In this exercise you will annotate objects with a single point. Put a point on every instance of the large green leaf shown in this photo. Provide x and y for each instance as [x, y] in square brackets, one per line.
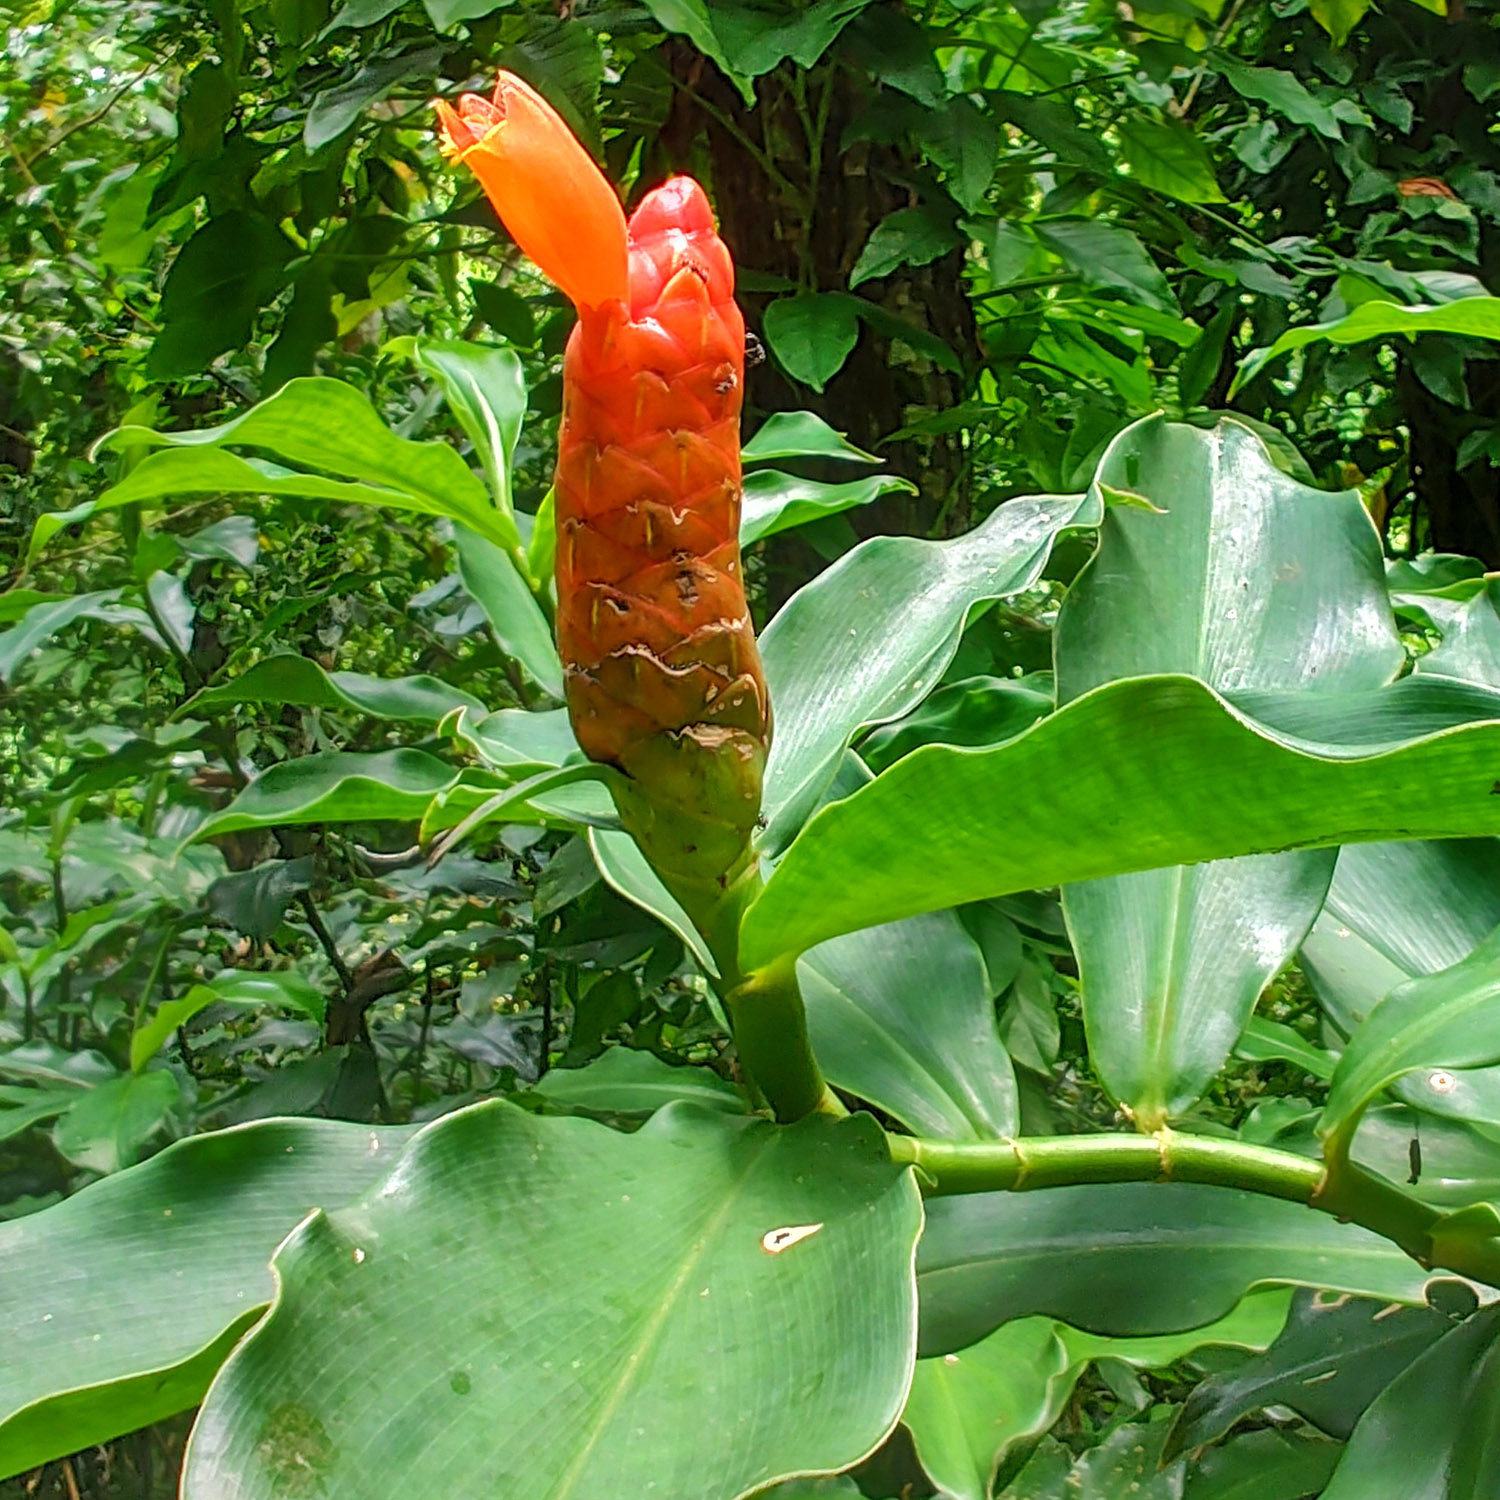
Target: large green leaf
[1135, 775]
[867, 640]
[1431, 1434]
[1238, 575]
[1450, 1019]
[287, 678]
[691, 1311]
[904, 1016]
[117, 1305]
[1134, 1258]
[1475, 317]
[335, 786]
[325, 428]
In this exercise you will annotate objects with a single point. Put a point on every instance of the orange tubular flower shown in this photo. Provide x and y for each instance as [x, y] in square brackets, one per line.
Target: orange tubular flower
[663, 677]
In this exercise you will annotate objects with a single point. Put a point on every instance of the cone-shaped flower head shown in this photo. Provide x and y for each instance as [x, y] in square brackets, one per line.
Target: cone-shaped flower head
[663, 678]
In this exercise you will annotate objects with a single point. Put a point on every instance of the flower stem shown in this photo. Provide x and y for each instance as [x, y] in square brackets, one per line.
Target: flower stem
[1351, 1195]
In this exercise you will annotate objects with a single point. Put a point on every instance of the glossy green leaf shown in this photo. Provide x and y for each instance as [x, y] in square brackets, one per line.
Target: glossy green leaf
[1334, 1357]
[286, 678]
[485, 389]
[335, 786]
[1395, 911]
[972, 711]
[775, 502]
[626, 871]
[1135, 775]
[967, 1410]
[868, 639]
[639, 1285]
[494, 580]
[517, 740]
[801, 434]
[326, 428]
[283, 988]
[1470, 648]
[812, 334]
[904, 1016]
[118, 1304]
[1134, 1259]
[1450, 1019]
[1431, 1434]
[627, 1082]
[1473, 317]
[1274, 586]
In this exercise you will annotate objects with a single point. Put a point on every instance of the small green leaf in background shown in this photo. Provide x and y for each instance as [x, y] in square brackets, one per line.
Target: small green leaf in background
[1474, 317]
[1107, 255]
[812, 334]
[801, 434]
[335, 786]
[283, 988]
[1165, 156]
[1266, 1464]
[646, 1276]
[908, 237]
[494, 581]
[285, 678]
[506, 311]
[1286, 94]
[110, 1126]
[229, 270]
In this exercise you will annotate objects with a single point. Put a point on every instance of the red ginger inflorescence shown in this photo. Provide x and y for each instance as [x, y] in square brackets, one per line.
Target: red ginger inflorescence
[663, 677]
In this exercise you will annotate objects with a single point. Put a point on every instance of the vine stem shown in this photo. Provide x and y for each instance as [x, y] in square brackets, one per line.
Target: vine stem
[1349, 1194]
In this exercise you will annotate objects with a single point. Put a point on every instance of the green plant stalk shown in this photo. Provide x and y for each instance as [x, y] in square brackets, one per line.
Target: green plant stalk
[1351, 1195]
[765, 1009]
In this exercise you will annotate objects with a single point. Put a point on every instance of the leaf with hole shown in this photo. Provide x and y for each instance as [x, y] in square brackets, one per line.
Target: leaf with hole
[699, 1302]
